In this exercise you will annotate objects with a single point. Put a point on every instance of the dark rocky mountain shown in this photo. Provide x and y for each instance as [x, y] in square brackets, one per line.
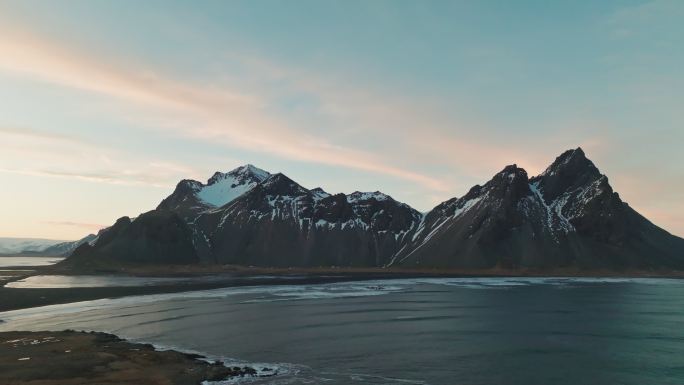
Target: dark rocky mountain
[191, 197]
[568, 216]
[157, 236]
[280, 223]
[248, 216]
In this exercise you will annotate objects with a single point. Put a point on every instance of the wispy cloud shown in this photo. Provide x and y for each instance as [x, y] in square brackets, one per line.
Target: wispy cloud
[407, 123]
[82, 225]
[217, 114]
[111, 178]
[33, 133]
[353, 126]
[26, 151]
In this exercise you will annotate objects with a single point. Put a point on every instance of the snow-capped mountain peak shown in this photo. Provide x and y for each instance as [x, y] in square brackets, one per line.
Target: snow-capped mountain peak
[221, 189]
[318, 194]
[358, 196]
[247, 173]
[568, 216]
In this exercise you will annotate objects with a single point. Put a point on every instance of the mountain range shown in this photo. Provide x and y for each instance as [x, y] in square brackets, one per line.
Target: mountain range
[568, 216]
[40, 247]
[12, 246]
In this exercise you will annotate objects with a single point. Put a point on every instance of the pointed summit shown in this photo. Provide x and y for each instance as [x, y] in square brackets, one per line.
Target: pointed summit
[511, 181]
[253, 170]
[569, 171]
[247, 173]
[281, 184]
[191, 196]
[511, 172]
[571, 161]
[318, 193]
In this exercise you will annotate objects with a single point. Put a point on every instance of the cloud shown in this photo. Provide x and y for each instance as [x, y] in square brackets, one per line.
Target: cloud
[355, 126]
[402, 123]
[88, 226]
[111, 178]
[218, 114]
[27, 151]
[29, 132]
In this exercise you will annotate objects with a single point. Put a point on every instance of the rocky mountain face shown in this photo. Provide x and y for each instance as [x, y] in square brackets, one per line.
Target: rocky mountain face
[568, 216]
[248, 216]
[280, 223]
[158, 236]
[192, 197]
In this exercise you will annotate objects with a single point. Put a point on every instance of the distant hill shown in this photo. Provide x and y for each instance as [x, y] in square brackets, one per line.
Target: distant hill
[25, 245]
[37, 246]
[568, 216]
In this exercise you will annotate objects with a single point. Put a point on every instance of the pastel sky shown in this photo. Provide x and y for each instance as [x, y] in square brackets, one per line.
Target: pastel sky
[106, 105]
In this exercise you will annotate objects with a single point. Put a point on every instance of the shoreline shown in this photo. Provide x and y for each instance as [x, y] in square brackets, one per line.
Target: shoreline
[231, 276]
[75, 357]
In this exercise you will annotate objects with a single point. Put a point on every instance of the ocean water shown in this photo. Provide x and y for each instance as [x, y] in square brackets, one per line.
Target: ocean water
[412, 331]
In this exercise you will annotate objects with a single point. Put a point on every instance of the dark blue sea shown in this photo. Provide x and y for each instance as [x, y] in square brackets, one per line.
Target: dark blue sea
[512, 331]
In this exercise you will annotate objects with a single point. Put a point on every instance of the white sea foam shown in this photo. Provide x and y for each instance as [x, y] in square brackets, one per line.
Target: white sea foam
[263, 369]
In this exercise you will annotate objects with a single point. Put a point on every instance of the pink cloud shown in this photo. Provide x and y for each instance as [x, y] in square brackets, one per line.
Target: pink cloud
[219, 115]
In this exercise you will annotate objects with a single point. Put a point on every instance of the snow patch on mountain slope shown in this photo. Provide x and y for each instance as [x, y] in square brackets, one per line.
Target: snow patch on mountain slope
[555, 220]
[461, 208]
[534, 187]
[318, 194]
[467, 206]
[223, 192]
[224, 188]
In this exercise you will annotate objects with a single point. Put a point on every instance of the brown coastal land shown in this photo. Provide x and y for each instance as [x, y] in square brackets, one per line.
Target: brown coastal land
[76, 358]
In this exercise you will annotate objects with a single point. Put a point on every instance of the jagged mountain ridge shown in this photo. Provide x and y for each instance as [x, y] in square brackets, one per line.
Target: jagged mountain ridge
[191, 197]
[272, 221]
[568, 216]
[279, 220]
